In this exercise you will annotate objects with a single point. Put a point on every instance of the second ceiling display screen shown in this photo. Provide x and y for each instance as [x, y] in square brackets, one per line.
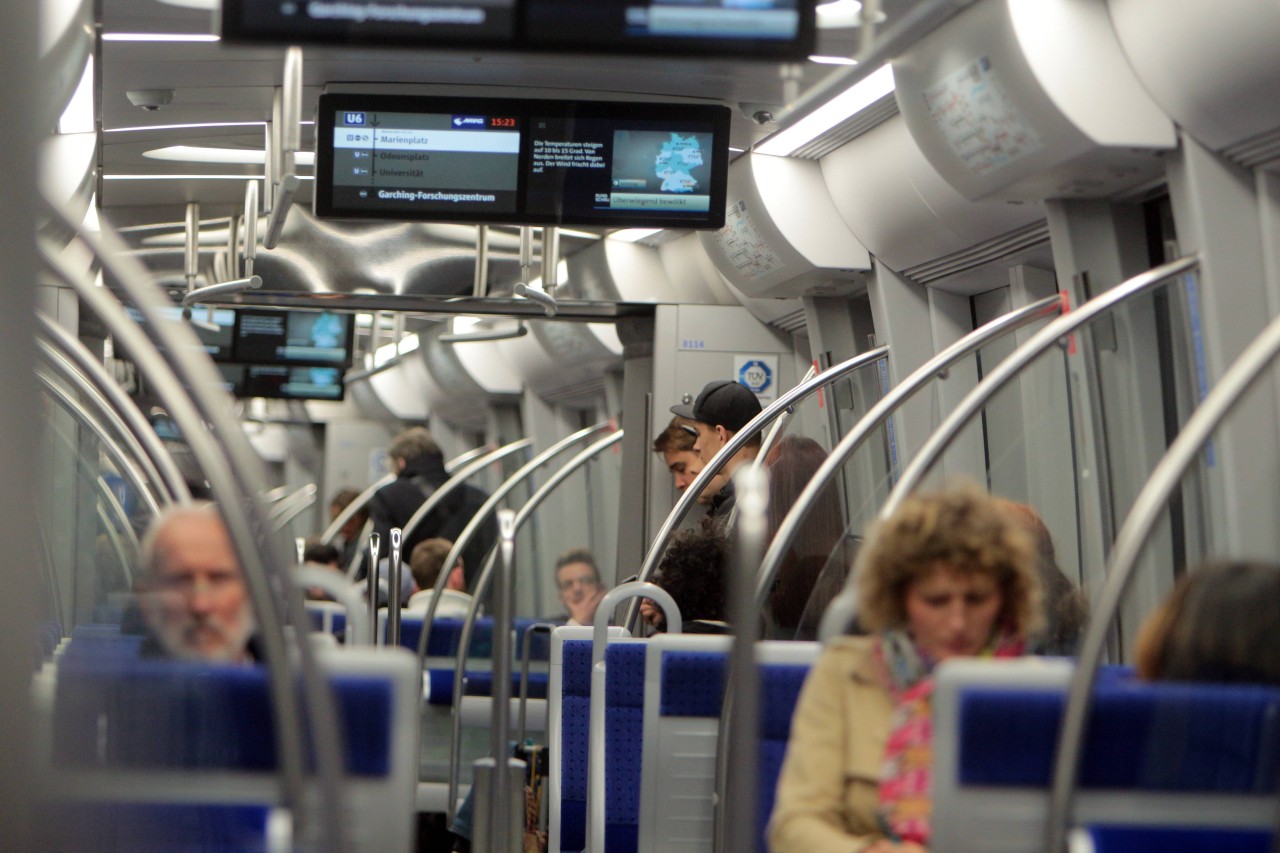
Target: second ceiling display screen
[521, 162]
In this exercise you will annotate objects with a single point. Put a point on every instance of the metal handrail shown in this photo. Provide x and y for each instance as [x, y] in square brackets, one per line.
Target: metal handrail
[481, 587]
[292, 507]
[503, 617]
[76, 352]
[361, 500]
[128, 469]
[463, 474]
[229, 464]
[742, 690]
[1137, 530]
[731, 447]
[487, 509]
[1006, 370]
[107, 420]
[877, 415]
[357, 503]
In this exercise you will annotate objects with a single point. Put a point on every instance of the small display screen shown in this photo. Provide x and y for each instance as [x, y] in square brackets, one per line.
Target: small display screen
[521, 162]
[752, 29]
[292, 337]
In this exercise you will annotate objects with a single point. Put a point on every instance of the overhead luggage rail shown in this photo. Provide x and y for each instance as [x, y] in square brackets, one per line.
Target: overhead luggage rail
[739, 440]
[231, 467]
[1137, 530]
[482, 585]
[54, 337]
[936, 367]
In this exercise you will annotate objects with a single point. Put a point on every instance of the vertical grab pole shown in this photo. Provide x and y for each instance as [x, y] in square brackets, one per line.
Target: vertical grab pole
[393, 590]
[371, 582]
[498, 777]
[738, 797]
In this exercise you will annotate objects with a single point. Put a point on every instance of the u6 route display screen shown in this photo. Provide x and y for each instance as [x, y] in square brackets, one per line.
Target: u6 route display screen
[531, 162]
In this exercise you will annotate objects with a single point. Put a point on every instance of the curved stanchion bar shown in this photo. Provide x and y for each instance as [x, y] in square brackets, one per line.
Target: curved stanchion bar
[482, 585]
[463, 474]
[335, 586]
[1138, 527]
[741, 710]
[362, 500]
[358, 503]
[230, 465]
[739, 440]
[526, 648]
[634, 590]
[288, 508]
[1050, 336]
[57, 338]
[125, 462]
[469, 532]
[881, 412]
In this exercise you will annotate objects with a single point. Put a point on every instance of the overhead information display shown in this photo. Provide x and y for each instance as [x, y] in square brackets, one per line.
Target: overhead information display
[521, 162]
[753, 29]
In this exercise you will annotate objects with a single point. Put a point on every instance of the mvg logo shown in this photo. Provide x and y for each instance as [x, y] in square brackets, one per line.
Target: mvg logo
[469, 121]
[353, 119]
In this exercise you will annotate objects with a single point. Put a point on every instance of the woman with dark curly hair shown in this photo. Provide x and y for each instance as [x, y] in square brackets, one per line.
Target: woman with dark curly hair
[950, 574]
[693, 572]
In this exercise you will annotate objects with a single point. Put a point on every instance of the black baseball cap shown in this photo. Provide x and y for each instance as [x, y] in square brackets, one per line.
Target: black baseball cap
[722, 402]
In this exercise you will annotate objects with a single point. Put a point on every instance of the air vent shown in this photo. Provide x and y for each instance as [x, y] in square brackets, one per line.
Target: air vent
[851, 128]
[981, 254]
[1256, 151]
[793, 322]
[581, 395]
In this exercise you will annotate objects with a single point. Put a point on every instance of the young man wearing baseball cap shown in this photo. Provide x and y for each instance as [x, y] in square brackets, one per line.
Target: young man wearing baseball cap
[722, 408]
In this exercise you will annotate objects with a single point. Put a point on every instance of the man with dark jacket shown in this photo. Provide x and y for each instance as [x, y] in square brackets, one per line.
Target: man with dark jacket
[721, 410]
[419, 467]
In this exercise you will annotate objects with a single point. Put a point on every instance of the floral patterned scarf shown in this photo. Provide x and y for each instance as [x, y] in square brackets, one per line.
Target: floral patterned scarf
[906, 673]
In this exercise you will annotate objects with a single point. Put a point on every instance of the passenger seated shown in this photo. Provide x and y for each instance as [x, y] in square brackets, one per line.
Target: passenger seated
[1066, 612]
[321, 555]
[350, 531]
[1218, 624]
[191, 590]
[579, 585]
[693, 571]
[950, 574]
[426, 562]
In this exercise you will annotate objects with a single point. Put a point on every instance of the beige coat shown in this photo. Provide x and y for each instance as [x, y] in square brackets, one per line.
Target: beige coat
[828, 788]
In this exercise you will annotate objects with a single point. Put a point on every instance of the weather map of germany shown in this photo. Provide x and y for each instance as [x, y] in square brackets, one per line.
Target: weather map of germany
[675, 163]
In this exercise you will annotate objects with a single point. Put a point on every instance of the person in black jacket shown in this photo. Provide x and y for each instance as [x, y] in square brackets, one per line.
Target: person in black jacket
[419, 467]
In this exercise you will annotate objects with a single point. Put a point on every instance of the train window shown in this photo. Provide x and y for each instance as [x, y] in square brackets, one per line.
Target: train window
[761, 29]
[528, 162]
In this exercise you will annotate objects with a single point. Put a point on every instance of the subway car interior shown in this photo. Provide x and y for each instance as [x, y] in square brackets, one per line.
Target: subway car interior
[251, 247]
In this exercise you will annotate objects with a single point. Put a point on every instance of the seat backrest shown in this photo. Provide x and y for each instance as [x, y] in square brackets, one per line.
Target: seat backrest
[148, 718]
[622, 742]
[568, 725]
[1178, 751]
[783, 669]
[683, 697]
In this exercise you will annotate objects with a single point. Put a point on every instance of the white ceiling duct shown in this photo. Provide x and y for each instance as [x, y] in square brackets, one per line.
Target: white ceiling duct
[1031, 99]
[782, 235]
[1212, 69]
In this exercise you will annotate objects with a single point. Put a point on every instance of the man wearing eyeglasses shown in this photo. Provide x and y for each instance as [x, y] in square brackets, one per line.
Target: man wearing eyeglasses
[579, 585]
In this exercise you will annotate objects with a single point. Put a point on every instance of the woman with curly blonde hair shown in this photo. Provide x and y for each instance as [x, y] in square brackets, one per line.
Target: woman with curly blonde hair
[951, 574]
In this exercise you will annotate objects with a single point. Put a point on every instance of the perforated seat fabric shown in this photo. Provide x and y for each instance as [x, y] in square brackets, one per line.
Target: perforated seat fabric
[161, 714]
[780, 686]
[1165, 737]
[692, 683]
[479, 683]
[624, 734]
[168, 827]
[575, 723]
